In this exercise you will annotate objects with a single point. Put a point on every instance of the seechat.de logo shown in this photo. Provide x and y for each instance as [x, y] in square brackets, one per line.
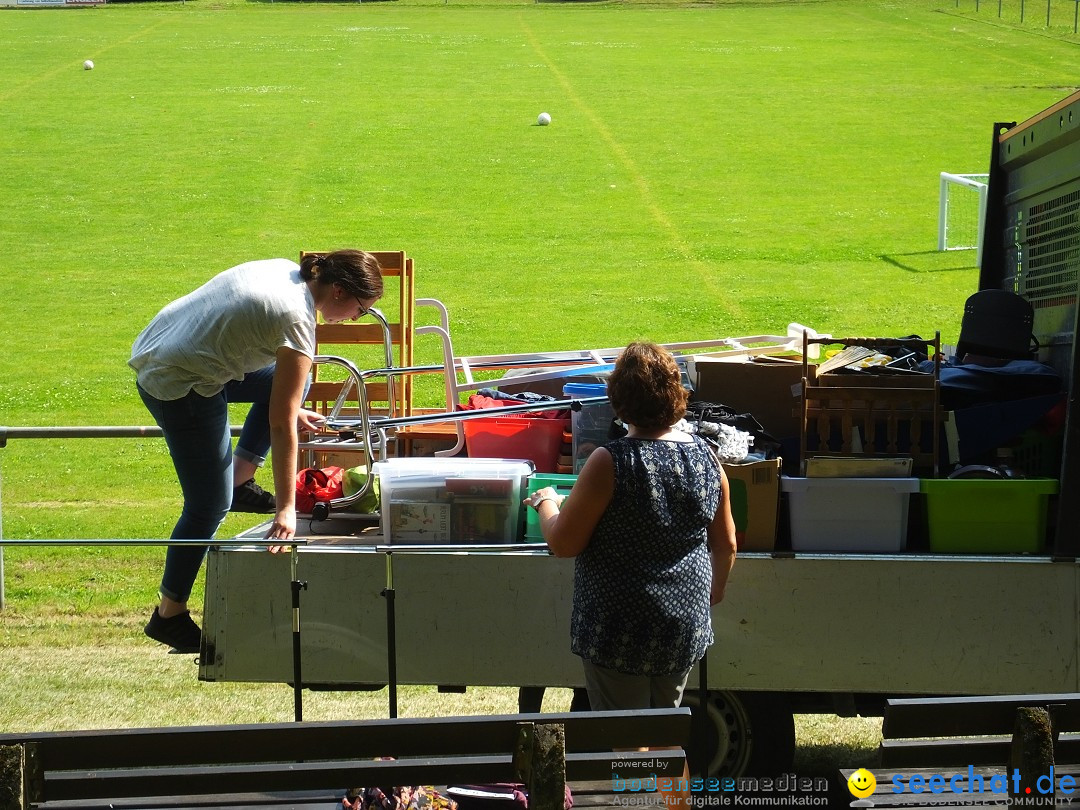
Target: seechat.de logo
[861, 783]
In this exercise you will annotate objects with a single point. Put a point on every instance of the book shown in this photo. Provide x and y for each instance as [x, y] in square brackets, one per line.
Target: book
[480, 520]
[419, 522]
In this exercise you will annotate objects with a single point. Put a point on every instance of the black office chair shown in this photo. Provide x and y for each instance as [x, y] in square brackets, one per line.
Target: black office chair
[998, 324]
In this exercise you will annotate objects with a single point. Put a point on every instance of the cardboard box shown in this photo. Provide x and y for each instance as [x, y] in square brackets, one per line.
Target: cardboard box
[769, 389]
[755, 501]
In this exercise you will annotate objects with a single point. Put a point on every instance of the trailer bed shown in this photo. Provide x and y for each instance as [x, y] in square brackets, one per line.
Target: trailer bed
[851, 623]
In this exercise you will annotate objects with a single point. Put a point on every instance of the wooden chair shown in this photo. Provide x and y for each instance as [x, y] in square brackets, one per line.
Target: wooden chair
[887, 415]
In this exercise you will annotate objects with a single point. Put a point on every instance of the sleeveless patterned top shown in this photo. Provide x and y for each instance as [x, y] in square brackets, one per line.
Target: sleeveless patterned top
[641, 586]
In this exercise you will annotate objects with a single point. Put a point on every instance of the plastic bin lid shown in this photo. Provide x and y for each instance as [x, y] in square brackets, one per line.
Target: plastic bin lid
[585, 389]
[1030, 486]
[440, 465]
[788, 484]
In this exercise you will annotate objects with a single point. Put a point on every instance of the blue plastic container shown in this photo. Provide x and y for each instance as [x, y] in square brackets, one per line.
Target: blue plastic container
[591, 425]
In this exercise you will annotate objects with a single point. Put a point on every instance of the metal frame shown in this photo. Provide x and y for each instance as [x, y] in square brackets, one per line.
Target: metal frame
[1032, 165]
[573, 363]
[368, 434]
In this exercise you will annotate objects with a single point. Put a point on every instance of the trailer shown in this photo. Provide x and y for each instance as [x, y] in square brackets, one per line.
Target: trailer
[797, 632]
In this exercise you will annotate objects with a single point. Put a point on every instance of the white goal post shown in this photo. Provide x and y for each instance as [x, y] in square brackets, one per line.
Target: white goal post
[962, 212]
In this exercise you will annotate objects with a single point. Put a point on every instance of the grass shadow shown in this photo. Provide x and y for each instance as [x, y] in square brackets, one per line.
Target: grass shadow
[931, 261]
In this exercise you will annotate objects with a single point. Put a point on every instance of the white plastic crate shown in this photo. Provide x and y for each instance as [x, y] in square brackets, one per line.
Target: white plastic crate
[849, 514]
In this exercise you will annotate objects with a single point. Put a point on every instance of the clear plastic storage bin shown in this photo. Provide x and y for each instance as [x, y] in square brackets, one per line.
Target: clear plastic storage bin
[452, 500]
[592, 423]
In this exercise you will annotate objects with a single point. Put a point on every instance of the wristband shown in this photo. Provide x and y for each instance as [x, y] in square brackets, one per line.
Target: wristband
[536, 504]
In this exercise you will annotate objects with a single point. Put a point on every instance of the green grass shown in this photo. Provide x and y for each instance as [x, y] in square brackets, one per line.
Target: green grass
[712, 169]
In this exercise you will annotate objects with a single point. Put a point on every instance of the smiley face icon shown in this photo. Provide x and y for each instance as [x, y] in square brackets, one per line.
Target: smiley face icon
[861, 783]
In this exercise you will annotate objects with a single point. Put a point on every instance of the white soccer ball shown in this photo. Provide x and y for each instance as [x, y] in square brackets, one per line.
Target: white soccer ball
[543, 120]
[88, 64]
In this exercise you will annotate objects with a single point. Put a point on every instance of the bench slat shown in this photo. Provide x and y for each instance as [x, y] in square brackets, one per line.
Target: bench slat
[960, 751]
[400, 737]
[203, 780]
[298, 799]
[971, 716]
[221, 779]
[210, 766]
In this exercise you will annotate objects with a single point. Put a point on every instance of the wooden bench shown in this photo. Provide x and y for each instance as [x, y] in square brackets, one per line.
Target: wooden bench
[955, 731]
[315, 764]
[974, 739]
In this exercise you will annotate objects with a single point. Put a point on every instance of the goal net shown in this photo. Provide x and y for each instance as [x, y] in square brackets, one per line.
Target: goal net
[961, 212]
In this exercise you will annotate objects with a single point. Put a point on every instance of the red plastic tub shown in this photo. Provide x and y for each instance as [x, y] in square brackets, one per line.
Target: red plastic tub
[538, 440]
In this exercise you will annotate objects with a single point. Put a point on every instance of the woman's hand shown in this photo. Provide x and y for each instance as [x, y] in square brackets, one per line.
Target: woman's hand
[283, 530]
[542, 495]
[310, 420]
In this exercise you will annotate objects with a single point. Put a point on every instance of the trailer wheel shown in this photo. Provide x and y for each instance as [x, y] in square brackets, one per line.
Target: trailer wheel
[747, 733]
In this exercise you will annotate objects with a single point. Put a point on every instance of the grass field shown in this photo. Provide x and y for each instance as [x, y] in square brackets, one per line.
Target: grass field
[711, 169]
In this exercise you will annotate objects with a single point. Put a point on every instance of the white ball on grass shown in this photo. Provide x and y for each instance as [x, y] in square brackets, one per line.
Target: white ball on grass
[88, 64]
[543, 120]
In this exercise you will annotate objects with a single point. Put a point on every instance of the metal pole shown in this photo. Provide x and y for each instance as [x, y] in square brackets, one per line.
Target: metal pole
[87, 432]
[232, 542]
[391, 635]
[1076, 13]
[70, 432]
[1047, 13]
[703, 717]
[298, 679]
[1021, 11]
[1, 548]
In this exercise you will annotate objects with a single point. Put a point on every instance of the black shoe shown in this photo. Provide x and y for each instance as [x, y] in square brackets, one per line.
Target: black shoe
[180, 631]
[250, 497]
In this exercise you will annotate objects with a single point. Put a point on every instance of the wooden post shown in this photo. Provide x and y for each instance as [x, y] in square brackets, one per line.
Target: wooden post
[540, 762]
[11, 781]
[1032, 754]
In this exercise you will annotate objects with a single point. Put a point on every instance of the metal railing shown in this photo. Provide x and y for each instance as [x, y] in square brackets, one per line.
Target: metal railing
[77, 432]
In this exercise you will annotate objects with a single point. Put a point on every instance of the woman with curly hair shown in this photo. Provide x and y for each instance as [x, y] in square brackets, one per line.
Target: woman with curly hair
[649, 522]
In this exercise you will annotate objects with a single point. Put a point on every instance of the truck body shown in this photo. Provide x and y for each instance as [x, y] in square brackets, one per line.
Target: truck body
[797, 632]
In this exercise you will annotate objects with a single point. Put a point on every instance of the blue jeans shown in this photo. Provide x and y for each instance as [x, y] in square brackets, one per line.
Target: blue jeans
[196, 431]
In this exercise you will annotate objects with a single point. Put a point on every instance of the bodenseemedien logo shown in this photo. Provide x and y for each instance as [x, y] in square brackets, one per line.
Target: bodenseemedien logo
[862, 783]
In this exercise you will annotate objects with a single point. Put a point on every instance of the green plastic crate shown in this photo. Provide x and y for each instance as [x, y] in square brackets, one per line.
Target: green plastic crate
[987, 516]
[562, 483]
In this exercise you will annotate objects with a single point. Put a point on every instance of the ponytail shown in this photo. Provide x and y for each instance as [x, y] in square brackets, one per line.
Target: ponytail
[357, 271]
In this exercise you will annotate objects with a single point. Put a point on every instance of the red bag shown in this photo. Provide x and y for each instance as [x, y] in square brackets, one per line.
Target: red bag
[314, 485]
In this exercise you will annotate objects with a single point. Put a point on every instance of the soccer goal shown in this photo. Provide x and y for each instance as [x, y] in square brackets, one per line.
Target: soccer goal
[962, 212]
